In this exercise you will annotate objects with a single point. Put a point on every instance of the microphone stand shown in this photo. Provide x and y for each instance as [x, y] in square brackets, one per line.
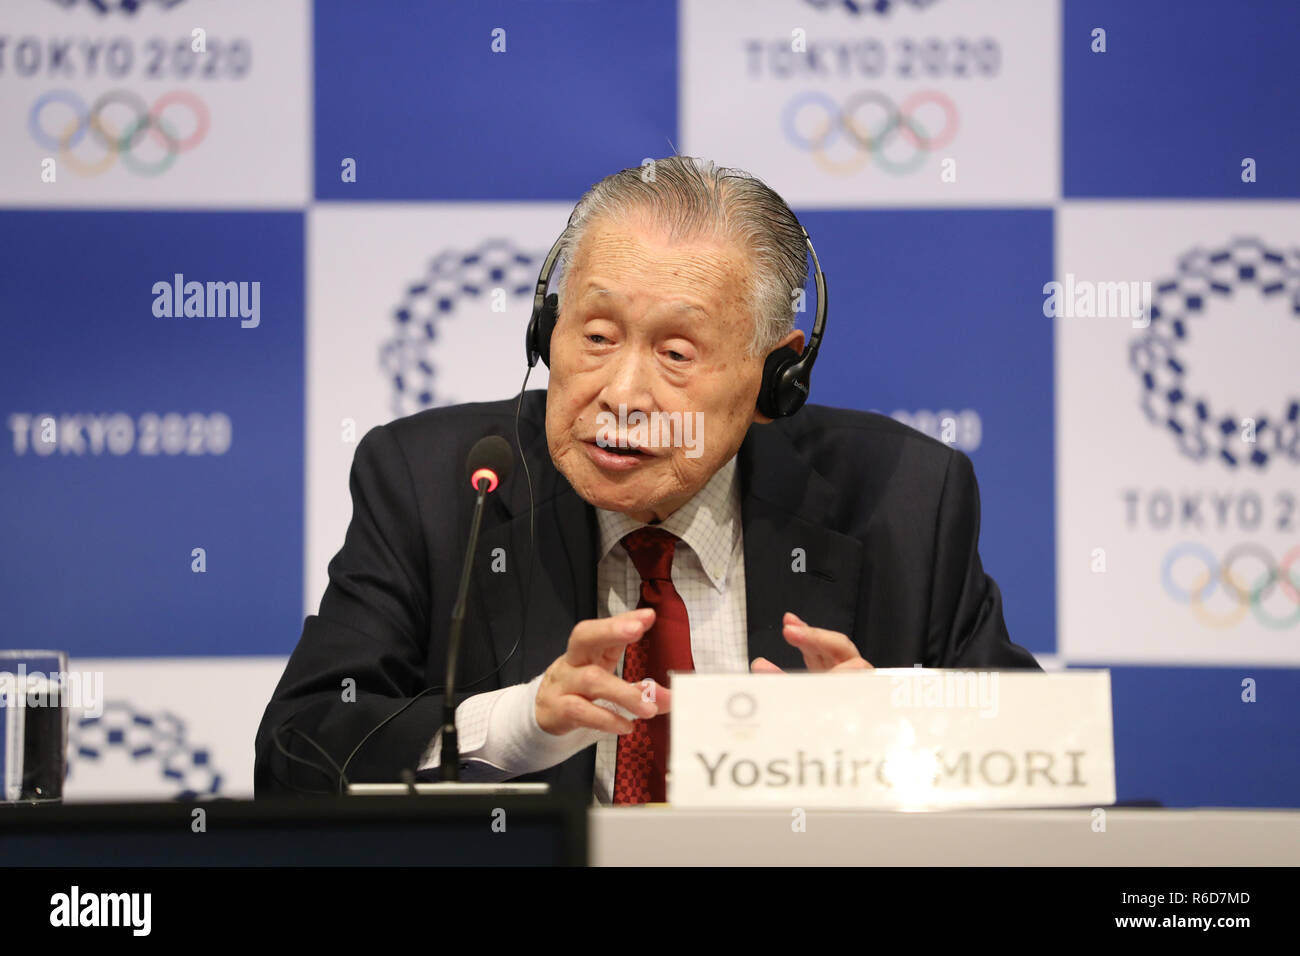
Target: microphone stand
[450, 763]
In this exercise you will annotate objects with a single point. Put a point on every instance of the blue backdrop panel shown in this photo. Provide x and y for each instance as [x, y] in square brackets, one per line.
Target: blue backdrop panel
[1185, 90]
[429, 111]
[1184, 736]
[937, 309]
[96, 558]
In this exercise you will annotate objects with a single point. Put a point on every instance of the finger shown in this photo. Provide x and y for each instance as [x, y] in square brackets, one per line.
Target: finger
[580, 712]
[833, 646]
[591, 637]
[651, 692]
[857, 664]
[794, 630]
[657, 694]
[761, 665]
[594, 683]
[813, 659]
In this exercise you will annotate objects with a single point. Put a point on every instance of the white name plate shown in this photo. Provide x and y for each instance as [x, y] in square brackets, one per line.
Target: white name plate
[892, 739]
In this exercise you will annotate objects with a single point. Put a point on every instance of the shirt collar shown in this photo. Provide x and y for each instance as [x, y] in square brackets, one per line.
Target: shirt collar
[709, 523]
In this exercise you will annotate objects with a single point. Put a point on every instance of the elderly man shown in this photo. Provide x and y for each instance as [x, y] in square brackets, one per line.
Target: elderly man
[828, 540]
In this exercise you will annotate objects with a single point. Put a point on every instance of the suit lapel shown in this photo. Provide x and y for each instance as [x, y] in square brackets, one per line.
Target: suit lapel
[793, 560]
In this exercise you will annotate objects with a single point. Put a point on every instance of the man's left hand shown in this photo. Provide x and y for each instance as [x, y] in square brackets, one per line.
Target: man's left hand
[822, 650]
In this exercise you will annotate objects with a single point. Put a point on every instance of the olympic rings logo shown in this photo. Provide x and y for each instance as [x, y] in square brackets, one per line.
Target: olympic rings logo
[1248, 575]
[115, 142]
[854, 122]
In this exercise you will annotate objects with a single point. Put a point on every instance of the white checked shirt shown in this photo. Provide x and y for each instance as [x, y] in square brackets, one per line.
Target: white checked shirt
[498, 730]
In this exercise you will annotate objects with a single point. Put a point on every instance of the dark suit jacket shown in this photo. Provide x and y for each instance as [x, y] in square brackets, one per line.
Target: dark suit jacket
[887, 519]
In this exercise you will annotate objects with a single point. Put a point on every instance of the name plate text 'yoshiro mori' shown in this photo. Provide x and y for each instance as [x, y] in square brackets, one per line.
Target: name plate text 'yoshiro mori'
[898, 739]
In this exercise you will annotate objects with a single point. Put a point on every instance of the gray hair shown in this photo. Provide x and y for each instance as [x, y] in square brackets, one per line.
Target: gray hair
[693, 198]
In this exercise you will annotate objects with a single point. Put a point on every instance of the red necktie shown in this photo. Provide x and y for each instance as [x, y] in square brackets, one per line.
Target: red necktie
[641, 772]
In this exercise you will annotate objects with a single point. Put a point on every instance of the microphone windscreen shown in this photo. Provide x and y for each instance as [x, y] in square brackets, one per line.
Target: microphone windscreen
[492, 452]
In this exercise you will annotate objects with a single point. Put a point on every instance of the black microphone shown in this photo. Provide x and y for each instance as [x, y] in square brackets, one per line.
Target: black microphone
[492, 456]
[489, 464]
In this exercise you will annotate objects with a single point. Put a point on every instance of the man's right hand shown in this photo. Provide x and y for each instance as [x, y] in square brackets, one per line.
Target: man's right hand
[584, 674]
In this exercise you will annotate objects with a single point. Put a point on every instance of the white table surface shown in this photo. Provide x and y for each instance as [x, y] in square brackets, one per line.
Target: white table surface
[660, 835]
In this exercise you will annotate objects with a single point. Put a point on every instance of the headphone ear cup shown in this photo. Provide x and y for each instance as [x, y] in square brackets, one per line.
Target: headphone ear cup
[537, 340]
[546, 326]
[771, 397]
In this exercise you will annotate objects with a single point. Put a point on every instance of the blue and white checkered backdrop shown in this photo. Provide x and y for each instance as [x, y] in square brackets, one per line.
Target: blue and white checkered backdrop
[375, 180]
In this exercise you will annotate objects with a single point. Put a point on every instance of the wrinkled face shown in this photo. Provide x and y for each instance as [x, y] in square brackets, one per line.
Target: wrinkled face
[656, 329]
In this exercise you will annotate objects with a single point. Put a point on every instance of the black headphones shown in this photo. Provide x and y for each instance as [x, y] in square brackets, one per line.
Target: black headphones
[786, 373]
